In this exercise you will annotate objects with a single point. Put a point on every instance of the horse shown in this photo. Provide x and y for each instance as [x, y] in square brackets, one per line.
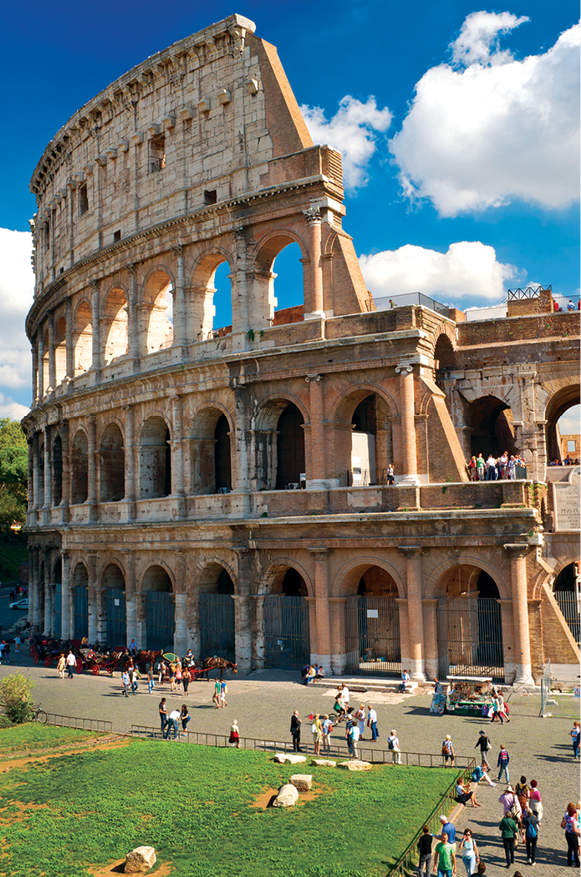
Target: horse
[216, 663]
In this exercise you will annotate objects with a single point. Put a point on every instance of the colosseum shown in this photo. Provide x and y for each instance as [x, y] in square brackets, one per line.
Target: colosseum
[229, 488]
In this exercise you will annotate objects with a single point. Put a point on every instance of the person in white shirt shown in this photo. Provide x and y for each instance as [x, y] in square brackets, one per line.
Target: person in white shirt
[393, 744]
[71, 664]
[172, 724]
[372, 722]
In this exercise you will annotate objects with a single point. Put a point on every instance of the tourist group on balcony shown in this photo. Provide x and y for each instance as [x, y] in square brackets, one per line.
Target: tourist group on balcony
[496, 468]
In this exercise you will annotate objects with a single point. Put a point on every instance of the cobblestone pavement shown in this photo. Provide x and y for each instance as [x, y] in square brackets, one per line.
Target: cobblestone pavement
[263, 703]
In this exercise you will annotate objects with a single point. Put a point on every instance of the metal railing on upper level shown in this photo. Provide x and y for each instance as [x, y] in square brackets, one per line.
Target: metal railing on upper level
[384, 303]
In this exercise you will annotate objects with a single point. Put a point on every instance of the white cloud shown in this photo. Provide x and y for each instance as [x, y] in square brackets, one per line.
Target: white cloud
[12, 409]
[352, 130]
[496, 131]
[569, 422]
[466, 270]
[16, 293]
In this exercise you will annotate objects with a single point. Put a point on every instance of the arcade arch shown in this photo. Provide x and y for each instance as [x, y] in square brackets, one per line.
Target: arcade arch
[60, 350]
[154, 459]
[217, 613]
[83, 339]
[371, 625]
[491, 428]
[559, 404]
[286, 620]
[566, 589]
[445, 358]
[211, 296]
[79, 468]
[80, 587]
[363, 439]
[57, 471]
[111, 465]
[56, 585]
[211, 458]
[291, 285]
[113, 583]
[280, 445]
[157, 312]
[114, 325]
[159, 609]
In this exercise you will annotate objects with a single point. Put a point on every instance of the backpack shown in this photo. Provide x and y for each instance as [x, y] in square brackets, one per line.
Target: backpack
[390, 744]
[531, 830]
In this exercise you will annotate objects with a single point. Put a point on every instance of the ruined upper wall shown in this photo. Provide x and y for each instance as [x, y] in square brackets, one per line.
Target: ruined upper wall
[194, 124]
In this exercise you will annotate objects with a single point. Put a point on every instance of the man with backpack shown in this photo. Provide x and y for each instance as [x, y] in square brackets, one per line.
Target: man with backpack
[485, 745]
[531, 827]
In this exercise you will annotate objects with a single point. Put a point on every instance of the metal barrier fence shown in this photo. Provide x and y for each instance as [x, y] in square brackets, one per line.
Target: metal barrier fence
[409, 859]
[79, 723]
[365, 753]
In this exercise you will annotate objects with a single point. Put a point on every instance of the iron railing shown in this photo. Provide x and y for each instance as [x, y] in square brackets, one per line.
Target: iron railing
[528, 292]
[410, 298]
[80, 724]
[569, 605]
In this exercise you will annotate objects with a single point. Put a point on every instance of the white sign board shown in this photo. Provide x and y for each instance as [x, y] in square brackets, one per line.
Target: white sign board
[566, 504]
[372, 613]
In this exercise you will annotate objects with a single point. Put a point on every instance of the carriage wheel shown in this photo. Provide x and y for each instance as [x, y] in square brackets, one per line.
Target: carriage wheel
[79, 665]
[110, 672]
[32, 651]
[47, 662]
[35, 658]
[95, 669]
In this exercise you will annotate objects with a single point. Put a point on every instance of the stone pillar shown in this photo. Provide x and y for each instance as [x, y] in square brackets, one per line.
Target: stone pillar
[34, 608]
[66, 597]
[133, 317]
[180, 642]
[40, 360]
[34, 375]
[413, 555]
[47, 620]
[338, 643]
[130, 461]
[179, 314]
[404, 638]
[240, 308]
[140, 616]
[35, 472]
[431, 657]
[101, 611]
[408, 426]
[70, 353]
[92, 595]
[242, 609]
[177, 454]
[66, 484]
[51, 356]
[323, 617]
[29, 481]
[95, 329]
[258, 632]
[522, 643]
[318, 474]
[130, 599]
[47, 476]
[92, 468]
[314, 307]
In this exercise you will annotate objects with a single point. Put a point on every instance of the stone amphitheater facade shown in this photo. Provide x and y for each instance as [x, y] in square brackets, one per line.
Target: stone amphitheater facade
[194, 486]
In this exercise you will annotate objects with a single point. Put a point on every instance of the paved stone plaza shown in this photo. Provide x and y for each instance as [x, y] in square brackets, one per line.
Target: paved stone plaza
[263, 703]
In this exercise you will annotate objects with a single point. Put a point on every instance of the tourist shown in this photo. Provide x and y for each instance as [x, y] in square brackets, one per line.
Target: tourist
[295, 729]
[360, 716]
[345, 695]
[317, 732]
[574, 734]
[571, 825]
[234, 738]
[162, 713]
[172, 676]
[510, 803]
[484, 743]
[512, 468]
[327, 727]
[508, 830]
[186, 718]
[471, 466]
[179, 675]
[425, 850]
[311, 675]
[352, 735]
[216, 695]
[480, 466]
[464, 794]
[498, 709]
[503, 460]
[71, 663]
[535, 802]
[390, 474]
[448, 751]
[522, 792]
[448, 828]
[188, 658]
[372, 722]
[445, 857]
[132, 647]
[150, 679]
[405, 678]
[502, 763]
[531, 829]
[186, 676]
[223, 693]
[172, 724]
[125, 682]
[479, 773]
[469, 850]
[158, 669]
[491, 468]
[17, 642]
[393, 744]
[319, 672]
[61, 665]
[570, 305]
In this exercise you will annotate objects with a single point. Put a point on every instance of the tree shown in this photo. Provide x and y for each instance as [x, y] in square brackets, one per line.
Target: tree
[16, 699]
[13, 473]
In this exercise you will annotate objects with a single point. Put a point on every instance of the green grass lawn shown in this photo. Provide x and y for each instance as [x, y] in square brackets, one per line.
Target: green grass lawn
[35, 738]
[193, 804]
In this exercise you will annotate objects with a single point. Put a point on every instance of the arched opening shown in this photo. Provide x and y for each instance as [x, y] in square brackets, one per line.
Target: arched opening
[155, 459]
[372, 635]
[491, 427]
[159, 609]
[112, 465]
[286, 622]
[445, 358]
[221, 304]
[113, 582]
[211, 298]
[57, 598]
[57, 471]
[157, 312]
[211, 462]
[362, 454]
[567, 592]
[115, 325]
[45, 361]
[80, 585]
[40, 473]
[290, 448]
[217, 623]
[83, 339]
[60, 350]
[469, 624]
[79, 468]
[278, 297]
[562, 416]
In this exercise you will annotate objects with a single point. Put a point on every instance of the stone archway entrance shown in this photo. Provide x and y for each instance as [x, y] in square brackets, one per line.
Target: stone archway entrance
[80, 601]
[159, 609]
[470, 625]
[286, 623]
[372, 637]
[217, 617]
[567, 594]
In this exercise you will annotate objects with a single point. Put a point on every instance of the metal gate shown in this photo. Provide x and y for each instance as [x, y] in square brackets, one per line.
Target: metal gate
[286, 632]
[160, 623]
[569, 605]
[80, 612]
[372, 641]
[470, 638]
[116, 617]
[57, 608]
[217, 634]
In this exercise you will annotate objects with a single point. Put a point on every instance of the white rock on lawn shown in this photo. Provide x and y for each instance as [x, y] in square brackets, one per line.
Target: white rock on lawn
[139, 860]
[287, 796]
[287, 758]
[303, 782]
[355, 765]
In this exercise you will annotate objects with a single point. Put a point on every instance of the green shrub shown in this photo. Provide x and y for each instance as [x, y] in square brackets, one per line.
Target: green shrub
[15, 698]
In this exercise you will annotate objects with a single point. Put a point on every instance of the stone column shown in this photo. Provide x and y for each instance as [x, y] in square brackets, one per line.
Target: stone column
[177, 454]
[34, 609]
[179, 314]
[314, 307]
[258, 632]
[47, 620]
[508, 640]
[522, 643]
[133, 317]
[130, 599]
[35, 474]
[413, 555]
[66, 597]
[431, 657]
[140, 613]
[323, 617]
[338, 643]
[92, 595]
[34, 354]
[130, 461]
[29, 481]
[318, 474]
[408, 427]
[101, 607]
[240, 308]
[70, 353]
[242, 608]
[40, 360]
[51, 356]
[95, 329]
[47, 476]
[92, 468]
[404, 638]
[180, 643]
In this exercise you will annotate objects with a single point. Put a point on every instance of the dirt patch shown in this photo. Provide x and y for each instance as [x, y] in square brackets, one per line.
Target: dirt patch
[265, 799]
[118, 867]
[9, 764]
[20, 815]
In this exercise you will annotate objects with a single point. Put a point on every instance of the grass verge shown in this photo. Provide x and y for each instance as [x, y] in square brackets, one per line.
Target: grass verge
[32, 737]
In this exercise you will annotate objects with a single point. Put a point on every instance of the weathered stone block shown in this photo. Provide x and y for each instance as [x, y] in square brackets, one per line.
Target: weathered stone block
[287, 796]
[355, 765]
[323, 762]
[287, 758]
[303, 782]
[140, 860]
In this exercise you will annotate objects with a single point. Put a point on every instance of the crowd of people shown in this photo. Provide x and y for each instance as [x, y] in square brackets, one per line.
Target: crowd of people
[506, 467]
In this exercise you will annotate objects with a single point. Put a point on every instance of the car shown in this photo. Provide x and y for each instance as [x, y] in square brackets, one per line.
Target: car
[20, 604]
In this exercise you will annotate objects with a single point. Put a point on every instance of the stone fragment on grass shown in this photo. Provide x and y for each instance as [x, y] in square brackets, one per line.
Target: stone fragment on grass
[323, 762]
[287, 758]
[140, 860]
[287, 796]
[303, 782]
[355, 765]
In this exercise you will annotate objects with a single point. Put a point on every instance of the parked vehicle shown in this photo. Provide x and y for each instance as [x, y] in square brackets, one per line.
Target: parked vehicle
[20, 604]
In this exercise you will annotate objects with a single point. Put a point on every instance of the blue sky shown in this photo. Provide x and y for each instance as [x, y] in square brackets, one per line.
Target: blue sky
[458, 123]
